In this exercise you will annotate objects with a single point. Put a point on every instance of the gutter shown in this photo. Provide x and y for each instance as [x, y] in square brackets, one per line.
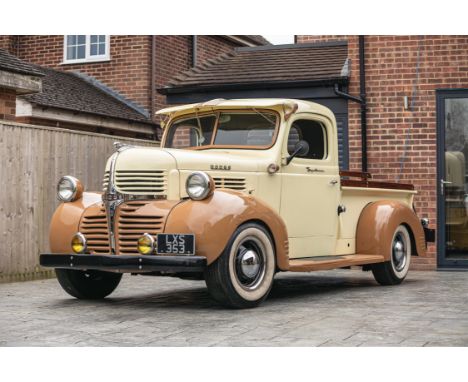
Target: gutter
[194, 50]
[197, 88]
[361, 100]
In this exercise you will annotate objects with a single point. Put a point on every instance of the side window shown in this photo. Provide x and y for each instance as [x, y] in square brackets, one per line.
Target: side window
[314, 133]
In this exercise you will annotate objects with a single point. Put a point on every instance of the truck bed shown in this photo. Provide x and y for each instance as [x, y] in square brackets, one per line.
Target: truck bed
[357, 190]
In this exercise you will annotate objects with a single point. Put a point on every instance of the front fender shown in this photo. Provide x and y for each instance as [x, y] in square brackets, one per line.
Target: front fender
[66, 220]
[377, 225]
[214, 220]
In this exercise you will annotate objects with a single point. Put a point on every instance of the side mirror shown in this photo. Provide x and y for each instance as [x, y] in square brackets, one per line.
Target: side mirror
[301, 148]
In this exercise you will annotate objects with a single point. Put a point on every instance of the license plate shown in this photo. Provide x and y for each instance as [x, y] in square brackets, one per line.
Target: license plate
[175, 244]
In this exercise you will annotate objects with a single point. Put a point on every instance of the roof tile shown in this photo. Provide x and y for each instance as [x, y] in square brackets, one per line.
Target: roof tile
[287, 63]
[66, 90]
[10, 63]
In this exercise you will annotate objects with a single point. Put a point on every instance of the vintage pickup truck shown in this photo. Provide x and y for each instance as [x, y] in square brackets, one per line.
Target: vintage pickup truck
[238, 191]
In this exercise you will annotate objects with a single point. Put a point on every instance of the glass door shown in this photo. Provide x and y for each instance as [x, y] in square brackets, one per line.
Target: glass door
[452, 115]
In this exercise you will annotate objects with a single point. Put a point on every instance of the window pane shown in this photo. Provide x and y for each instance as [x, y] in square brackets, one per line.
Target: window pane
[191, 132]
[102, 38]
[102, 49]
[71, 53]
[94, 38]
[81, 51]
[71, 40]
[246, 129]
[94, 50]
[81, 39]
[313, 133]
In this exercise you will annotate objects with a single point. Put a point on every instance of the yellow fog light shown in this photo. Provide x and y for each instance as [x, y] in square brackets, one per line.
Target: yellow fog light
[78, 243]
[146, 244]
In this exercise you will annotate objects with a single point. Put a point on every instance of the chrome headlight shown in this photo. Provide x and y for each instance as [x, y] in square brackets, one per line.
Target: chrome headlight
[69, 189]
[199, 185]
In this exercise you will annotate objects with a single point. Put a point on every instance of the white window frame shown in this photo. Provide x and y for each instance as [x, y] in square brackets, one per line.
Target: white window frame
[88, 58]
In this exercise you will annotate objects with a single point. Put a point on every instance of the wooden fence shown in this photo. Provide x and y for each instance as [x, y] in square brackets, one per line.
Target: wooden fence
[33, 159]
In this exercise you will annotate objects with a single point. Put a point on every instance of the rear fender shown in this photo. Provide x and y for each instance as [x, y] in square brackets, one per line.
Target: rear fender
[377, 225]
[214, 220]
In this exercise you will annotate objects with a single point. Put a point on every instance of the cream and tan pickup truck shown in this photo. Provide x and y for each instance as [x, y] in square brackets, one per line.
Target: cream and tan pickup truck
[238, 191]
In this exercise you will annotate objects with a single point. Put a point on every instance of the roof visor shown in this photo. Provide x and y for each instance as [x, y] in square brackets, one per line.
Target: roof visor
[288, 107]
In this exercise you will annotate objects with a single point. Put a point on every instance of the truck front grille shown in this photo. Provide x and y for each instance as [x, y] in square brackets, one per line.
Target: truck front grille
[141, 182]
[132, 225]
[231, 183]
[105, 181]
[94, 227]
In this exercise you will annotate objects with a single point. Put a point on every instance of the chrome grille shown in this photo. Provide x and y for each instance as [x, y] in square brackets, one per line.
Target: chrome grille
[132, 225]
[231, 183]
[94, 227]
[141, 182]
[105, 181]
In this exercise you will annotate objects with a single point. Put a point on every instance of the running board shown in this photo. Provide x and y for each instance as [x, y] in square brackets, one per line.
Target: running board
[330, 262]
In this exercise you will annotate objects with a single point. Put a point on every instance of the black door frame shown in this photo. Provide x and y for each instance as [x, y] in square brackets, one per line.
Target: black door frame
[441, 96]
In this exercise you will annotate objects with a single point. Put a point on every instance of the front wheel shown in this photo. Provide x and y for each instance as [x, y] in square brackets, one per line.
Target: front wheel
[88, 285]
[394, 271]
[243, 275]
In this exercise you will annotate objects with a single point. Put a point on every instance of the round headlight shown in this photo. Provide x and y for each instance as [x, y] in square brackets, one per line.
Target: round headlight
[146, 244]
[78, 243]
[69, 189]
[199, 185]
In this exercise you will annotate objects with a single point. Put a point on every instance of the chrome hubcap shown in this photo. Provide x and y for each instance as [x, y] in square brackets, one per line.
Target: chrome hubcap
[399, 251]
[250, 263]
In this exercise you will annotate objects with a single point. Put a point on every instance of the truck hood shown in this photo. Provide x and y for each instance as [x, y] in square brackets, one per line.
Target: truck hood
[143, 158]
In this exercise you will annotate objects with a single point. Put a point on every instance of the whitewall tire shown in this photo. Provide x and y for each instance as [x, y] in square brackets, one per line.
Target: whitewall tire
[242, 276]
[395, 270]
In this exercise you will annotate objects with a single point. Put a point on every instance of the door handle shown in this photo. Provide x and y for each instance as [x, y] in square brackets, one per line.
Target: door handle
[333, 182]
[442, 185]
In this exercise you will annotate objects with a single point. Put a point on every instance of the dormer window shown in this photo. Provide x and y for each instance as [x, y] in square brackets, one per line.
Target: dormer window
[85, 48]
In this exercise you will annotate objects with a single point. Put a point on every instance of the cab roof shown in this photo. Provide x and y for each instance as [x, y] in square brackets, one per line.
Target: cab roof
[282, 105]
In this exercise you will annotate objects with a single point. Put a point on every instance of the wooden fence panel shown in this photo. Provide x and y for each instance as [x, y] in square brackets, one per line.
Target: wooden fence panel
[33, 159]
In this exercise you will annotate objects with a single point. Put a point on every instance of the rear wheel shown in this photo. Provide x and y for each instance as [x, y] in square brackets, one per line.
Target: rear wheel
[88, 285]
[394, 271]
[242, 276]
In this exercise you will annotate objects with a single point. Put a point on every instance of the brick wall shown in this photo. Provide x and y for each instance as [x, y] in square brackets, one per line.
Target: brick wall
[7, 104]
[9, 43]
[128, 71]
[390, 75]
[212, 46]
[174, 55]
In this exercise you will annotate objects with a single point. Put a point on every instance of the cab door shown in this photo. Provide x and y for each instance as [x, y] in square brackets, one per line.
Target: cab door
[310, 189]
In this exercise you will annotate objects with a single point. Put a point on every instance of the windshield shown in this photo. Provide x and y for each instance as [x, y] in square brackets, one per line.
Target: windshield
[253, 130]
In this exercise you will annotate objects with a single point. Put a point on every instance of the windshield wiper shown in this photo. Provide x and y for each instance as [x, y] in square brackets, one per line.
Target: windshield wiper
[272, 121]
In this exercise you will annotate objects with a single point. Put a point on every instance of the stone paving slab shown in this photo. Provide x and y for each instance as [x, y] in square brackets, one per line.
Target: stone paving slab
[333, 308]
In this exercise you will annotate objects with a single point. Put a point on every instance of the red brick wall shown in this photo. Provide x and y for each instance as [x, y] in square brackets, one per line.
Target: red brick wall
[390, 75]
[7, 104]
[174, 55]
[9, 43]
[128, 71]
[212, 46]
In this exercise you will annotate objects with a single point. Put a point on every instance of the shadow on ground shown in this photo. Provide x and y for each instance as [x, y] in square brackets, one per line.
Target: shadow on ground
[290, 288]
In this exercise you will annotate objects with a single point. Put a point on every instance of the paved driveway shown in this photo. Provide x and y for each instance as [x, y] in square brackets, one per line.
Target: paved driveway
[337, 308]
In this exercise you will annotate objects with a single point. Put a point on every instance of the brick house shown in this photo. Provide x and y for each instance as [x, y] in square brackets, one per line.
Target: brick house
[414, 119]
[127, 67]
[416, 92]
